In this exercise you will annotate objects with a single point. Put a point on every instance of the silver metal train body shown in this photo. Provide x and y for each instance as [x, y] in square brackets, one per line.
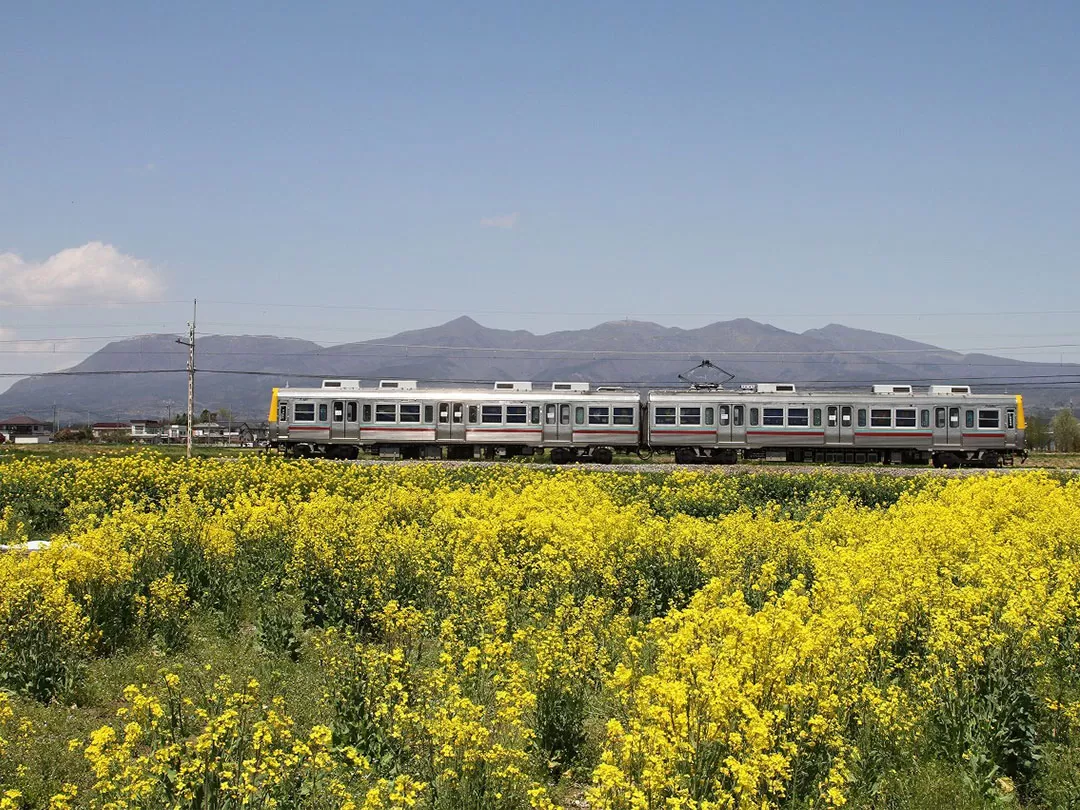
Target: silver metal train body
[946, 425]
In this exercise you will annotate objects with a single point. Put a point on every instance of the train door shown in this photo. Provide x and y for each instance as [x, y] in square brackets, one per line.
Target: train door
[723, 424]
[557, 427]
[451, 424]
[839, 427]
[337, 419]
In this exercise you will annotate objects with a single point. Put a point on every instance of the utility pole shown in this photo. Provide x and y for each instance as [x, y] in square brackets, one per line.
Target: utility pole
[190, 343]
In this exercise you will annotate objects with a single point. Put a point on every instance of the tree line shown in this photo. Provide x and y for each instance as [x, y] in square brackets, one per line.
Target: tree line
[1062, 431]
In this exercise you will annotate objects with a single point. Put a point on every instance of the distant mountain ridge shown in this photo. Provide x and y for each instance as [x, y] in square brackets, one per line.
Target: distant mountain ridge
[634, 353]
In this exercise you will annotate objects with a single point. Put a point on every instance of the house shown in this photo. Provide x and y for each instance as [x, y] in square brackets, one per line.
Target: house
[111, 431]
[210, 433]
[146, 430]
[175, 433]
[23, 429]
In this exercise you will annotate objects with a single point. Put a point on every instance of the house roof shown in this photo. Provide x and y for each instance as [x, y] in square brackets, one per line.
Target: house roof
[22, 420]
[145, 422]
[110, 426]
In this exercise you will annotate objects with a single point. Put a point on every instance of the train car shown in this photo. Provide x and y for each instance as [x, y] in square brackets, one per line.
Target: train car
[947, 425]
[399, 419]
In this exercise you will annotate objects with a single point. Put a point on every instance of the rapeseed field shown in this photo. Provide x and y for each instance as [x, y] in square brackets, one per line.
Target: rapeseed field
[263, 633]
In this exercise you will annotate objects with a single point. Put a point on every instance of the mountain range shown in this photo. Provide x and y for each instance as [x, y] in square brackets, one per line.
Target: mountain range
[237, 372]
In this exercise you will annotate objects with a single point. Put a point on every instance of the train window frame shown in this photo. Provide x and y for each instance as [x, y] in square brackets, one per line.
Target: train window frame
[753, 417]
[324, 411]
[833, 416]
[599, 415]
[473, 414]
[689, 414]
[367, 412]
[845, 416]
[444, 413]
[622, 415]
[351, 412]
[551, 414]
[772, 416]
[339, 411]
[954, 418]
[665, 415]
[520, 414]
[384, 410]
[908, 421]
[724, 415]
[304, 412]
[861, 418]
[410, 416]
[429, 414]
[534, 414]
[283, 412]
[1010, 419]
[881, 417]
[969, 418]
[458, 414]
[709, 416]
[579, 415]
[924, 418]
[817, 417]
[564, 414]
[939, 417]
[491, 414]
[993, 419]
[737, 416]
[798, 417]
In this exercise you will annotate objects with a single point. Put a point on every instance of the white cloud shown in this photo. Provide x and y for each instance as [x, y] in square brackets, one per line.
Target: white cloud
[504, 221]
[93, 273]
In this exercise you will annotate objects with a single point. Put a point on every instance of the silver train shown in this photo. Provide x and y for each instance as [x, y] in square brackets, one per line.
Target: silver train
[946, 425]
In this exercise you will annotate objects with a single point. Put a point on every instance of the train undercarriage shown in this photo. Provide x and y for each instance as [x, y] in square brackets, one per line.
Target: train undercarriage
[951, 459]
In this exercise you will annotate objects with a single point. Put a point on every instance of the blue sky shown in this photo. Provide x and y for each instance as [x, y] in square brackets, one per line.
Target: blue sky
[541, 166]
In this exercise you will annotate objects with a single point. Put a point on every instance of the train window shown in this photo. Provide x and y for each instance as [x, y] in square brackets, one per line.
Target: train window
[924, 417]
[737, 417]
[799, 417]
[862, 417]
[880, 417]
[817, 417]
[753, 416]
[954, 417]
[989, 419]
[367, 411]
[410, 413]
[429, 414]
[708, 416]
[905, 417]
[386, 413]
[458, 408]
[550, 415]
[834, 414]
[472, 414]
[845, 416]
[969, 418]
[322, 412]
[664, 416]
[725, 414]
[534, 414]
[339, 411]
[579, 415]
[491, 414]
[773, 416]
[516, 414]
[939, 417]
[283, 412]
[350, 412]
[564, 414]
[1010, 419]
[444, 413]
[304, 412]
[599, 415]
[623, 416]
[689, 416]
